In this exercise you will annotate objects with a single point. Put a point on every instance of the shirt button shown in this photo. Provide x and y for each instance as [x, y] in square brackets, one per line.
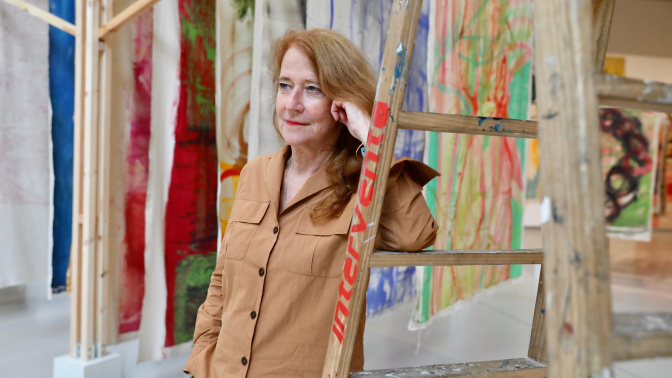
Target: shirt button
[244, 361]
[253, 314]
[275, 230]
[261, 272]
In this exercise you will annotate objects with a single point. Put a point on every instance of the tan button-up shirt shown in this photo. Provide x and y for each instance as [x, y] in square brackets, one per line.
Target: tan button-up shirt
[274, 290]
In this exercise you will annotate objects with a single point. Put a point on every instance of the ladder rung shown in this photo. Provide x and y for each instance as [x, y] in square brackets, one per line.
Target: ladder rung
[642, 335]
[457, 257]
[515, 367]
[463, 124]
[635, 94]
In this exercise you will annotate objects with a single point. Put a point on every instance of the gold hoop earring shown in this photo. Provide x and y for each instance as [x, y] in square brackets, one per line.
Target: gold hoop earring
[361, 148]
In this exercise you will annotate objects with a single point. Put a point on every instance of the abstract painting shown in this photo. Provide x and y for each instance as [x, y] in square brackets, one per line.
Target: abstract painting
[191, 222]
[629, 161]
[479, 56]
[137, 105]
[234, 51]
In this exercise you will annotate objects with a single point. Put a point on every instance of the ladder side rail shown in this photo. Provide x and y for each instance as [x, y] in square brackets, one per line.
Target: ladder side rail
[576, 261]
[537, 347]
[375, 169]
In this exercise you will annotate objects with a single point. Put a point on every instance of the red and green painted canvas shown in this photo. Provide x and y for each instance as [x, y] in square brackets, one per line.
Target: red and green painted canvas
[479, 57]
[191, 226]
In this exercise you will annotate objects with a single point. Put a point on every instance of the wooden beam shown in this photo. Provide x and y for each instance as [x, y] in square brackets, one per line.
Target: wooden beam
[636, 94]
[537, 347]
[462, 124]
[457, 257]
[126, 16]
[78, 152]
[644, 335]
[508, 368]
[576, 257]
[45, 16]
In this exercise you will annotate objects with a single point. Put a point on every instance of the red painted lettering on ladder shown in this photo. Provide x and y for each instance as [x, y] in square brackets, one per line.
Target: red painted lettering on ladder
[360, 226]
[350, 273]
[364, 197]
[338, 333]
[380, 113]
[343, 292]
[339, 327]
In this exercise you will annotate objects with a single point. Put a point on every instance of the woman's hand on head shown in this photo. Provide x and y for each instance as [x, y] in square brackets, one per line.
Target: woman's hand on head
[357, 120]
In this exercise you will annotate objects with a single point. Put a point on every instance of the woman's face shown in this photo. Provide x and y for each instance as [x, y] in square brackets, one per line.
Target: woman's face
[303, 110]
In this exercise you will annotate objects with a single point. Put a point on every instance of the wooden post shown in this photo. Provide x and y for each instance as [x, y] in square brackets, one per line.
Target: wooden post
[603, 11]
[576, 260]
[78, 150]
[105, 262]
[90, 180]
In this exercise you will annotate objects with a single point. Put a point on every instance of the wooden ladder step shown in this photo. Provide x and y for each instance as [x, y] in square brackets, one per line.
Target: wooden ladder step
[635, 94]
[457, 257]
[515, 367]
[463, 124]
[642, 335]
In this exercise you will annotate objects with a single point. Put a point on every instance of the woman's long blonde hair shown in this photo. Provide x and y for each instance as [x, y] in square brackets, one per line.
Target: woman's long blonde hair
[344, 74]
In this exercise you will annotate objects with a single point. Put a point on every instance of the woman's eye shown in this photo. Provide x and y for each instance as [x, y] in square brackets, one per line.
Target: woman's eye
[313, 89]
[284, 86]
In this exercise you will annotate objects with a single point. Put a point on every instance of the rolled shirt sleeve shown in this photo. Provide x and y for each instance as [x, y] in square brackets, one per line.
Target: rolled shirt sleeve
[406, 223]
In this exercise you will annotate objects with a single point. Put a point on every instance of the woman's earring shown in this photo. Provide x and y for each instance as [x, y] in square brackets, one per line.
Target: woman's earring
[362, 149]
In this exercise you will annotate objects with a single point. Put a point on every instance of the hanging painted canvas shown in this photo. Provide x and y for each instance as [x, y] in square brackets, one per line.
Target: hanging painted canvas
[166, 87]
[366, 24]
[25, 189]
[131, 172]
[62, 94]
[191, 210]
[234, 74]
[629, 161]
[478, 64]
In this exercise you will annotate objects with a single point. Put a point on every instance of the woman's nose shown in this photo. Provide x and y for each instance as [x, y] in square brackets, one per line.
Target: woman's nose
[295, 100]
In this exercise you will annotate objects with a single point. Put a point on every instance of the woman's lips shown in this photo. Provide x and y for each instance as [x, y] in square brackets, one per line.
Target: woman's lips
[294, 123]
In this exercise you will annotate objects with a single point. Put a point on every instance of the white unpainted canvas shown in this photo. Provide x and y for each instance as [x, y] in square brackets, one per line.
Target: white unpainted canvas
[165, 97]
[25, 134]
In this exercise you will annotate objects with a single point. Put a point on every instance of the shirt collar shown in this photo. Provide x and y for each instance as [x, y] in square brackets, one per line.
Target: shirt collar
[274, 173]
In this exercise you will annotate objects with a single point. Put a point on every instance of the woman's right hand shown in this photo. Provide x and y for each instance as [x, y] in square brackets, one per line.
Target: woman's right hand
[357, 120]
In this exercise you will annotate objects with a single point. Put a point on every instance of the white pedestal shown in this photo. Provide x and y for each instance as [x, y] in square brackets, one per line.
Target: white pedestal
[104, 367]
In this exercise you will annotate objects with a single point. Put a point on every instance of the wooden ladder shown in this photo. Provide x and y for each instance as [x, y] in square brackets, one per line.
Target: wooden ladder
[582, 336]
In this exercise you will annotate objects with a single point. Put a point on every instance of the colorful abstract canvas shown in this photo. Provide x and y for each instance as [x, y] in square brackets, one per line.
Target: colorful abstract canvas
[366, 24]
[629, 161]
[137, 102]
[191, 222]
[234, 51]
[479, 64]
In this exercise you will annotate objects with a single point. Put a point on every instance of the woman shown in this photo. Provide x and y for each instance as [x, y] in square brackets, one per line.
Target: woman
[273, 293]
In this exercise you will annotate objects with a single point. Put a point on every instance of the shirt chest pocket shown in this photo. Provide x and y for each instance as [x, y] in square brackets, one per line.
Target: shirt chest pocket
[243, 225]
[318, 249]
